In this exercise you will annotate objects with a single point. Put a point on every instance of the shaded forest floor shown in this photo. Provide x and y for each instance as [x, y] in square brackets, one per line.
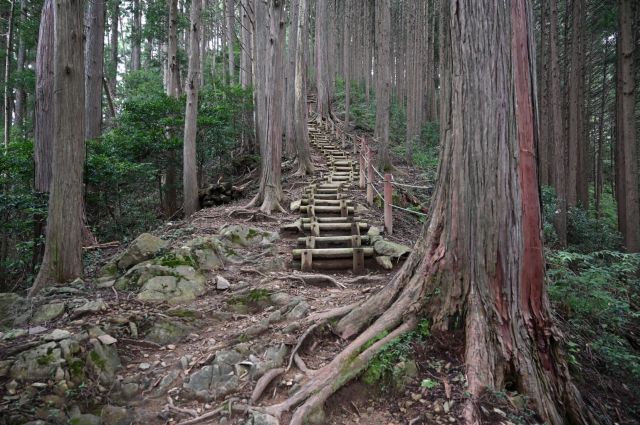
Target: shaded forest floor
[219, 344]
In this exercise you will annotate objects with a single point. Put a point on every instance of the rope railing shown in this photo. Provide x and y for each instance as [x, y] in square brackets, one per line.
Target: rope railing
[367, 174]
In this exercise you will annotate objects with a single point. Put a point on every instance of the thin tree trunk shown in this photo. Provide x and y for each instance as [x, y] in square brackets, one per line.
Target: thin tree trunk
[113, 73]
[136, 37]
[560, 165]
[7, 76]
[21, 93]
[44, 112]
[383, 80]
[230, 19]
[305, 166]
[322, 69]
[63, 248]
[290, 100]
[94, 60]
[576, 104]
[190, 169]
[599, 174]
[346, 60]
[173, 90]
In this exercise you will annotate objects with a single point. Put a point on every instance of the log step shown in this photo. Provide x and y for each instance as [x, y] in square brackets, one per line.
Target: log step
[330, 253]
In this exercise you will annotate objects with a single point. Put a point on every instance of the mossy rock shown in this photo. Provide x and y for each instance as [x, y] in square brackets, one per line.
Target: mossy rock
[144, 247]
[37, 363]
[390, 249]
[171, 289]
[11, 305]
[166, 331]
[48, 312]
[104, 361]
[246, 236]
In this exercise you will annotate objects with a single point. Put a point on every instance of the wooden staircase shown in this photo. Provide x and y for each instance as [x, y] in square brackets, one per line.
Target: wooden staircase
[334, 235]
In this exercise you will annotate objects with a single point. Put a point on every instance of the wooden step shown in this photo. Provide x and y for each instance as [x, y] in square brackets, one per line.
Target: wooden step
[331, 253]
[314, 241]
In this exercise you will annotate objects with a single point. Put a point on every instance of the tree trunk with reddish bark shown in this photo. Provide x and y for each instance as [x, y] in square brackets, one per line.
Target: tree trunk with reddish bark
[479, 262]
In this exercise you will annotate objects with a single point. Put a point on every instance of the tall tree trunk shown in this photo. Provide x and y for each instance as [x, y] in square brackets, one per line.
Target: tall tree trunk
[94, 60]
[173, 90]
[7, 76]
[230, 19]
[599, 162]
[479, 261]
[63, 247]
[627, 164]
[190, 169]
[113, 72]
[269, 99]
[322, 69]
[559, 163]
[545, 94]
[412, 74]
[290, 91]
[21, 93]
[383, 79]
[305, 166]
[136, 37]
[576, 107]
[44, 122]
[246, 74]
[346, 59]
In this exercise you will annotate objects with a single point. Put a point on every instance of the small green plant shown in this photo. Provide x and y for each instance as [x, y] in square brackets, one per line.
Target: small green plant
[429, 384]
[172, 260]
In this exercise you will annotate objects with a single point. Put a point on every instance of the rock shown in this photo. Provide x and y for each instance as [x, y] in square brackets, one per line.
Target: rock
[316, 417]
[144, 247]
[107, 339]
[246, 236]
[374, 231]
[295, 205]
[11, 305]
[109, 271]
[262, 419]
[222, 283]
[48, 312]
[384, 262]
[165, 331]
[207, 251]
[104, 361]
[105, 282]
[86, 419]
[275, 264]
[90, 307]
[171, 289]
[114, 415]
[228, 357]
[280, 298]
[257, 329]
[403, 372]
[38, 363]
[390, 249]
[16, 333]
[57, 335]
[273, 357]
[275, 316]
[211, 382]
[144, 366]
[299, 311]
[4, 367]
[129, 390]
[167, 380]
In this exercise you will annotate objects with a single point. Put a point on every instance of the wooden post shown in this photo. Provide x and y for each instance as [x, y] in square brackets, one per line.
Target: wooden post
[358, 260]
[363, 152]
[369, 176]
[388, 200]
[306, 260]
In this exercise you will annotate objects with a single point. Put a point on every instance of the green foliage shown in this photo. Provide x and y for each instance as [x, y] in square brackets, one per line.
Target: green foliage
[598, 294]
[584, 232]
[382, 368]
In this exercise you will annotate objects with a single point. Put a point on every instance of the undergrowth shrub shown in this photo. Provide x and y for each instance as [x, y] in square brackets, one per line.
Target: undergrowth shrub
[598, 296]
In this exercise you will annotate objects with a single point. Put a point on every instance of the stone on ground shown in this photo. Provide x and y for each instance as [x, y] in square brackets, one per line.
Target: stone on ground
[144, 247]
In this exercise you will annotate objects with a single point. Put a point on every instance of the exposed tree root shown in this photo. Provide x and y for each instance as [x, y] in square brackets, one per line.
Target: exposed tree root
[264, 382]
[210, 414]
[300, 364]
[315, 279]
[299, 344]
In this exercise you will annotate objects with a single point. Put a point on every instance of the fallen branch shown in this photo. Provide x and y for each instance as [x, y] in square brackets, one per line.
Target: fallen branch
[207, 415]
[366, 278]
[113, 244]
[175, 408]
[264, 382]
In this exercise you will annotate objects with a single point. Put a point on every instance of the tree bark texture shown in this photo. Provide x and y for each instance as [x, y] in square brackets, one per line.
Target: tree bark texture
[94, 60]
[44, 111]
[113, 70]
[136, 37]
[303, 153]
[7, 75]
[383, 79]
[21, 93]
[190, 169]
[557, 139]
[322, 68]
[63, 247]
[290, 81]
[230, 19]
[346, 59]
[627, 160]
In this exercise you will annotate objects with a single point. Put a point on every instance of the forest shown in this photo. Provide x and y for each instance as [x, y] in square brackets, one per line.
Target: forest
[264, 212]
